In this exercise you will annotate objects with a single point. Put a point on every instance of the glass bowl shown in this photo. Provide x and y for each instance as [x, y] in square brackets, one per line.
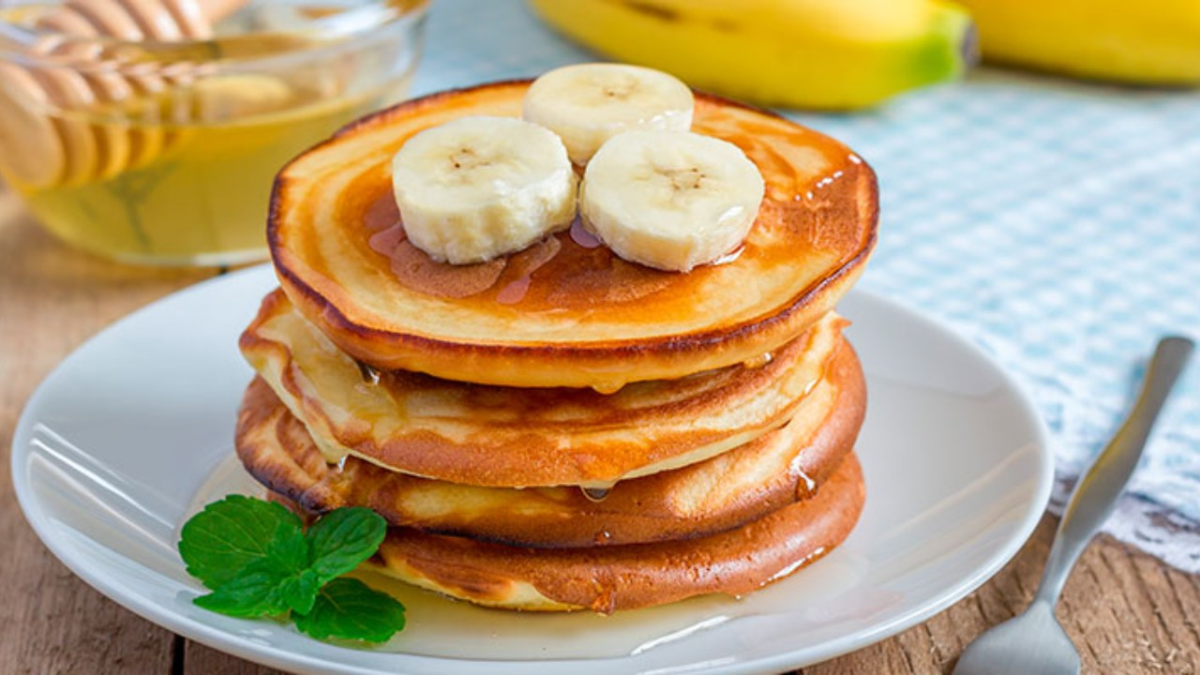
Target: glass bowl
[160, 147]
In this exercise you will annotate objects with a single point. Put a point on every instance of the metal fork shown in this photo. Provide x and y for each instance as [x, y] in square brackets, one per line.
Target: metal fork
[1034, 643]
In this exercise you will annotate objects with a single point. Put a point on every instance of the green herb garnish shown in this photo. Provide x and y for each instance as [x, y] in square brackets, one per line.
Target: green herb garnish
[350, 610]
[258, 560]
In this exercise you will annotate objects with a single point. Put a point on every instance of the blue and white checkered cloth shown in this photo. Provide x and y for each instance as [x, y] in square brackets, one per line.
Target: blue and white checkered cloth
[1057, 224]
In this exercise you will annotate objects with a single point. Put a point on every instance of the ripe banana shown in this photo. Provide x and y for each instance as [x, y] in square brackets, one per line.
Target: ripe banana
[589, 103]
[475, 188]
[821, 54]
[670, 199]
[1148, 42]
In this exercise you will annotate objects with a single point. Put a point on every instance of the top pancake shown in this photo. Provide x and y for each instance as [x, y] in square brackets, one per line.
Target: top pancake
[564, 312]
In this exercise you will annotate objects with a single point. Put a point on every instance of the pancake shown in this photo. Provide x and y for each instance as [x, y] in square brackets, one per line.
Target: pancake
[777, 469]
[606, 579]
[565, 312]
[506, 437]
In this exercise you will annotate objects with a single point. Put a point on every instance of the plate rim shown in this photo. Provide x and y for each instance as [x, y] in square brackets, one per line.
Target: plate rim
[275, 656]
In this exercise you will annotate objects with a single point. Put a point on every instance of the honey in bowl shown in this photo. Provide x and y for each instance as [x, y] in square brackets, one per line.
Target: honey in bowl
[164, 153]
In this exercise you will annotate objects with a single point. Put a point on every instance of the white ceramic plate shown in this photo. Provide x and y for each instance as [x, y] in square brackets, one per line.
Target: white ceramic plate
[134, 431]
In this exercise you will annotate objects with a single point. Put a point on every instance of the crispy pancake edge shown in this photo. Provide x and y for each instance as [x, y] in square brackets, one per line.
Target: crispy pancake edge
[697, 500]
[614, 446]
[608, 579]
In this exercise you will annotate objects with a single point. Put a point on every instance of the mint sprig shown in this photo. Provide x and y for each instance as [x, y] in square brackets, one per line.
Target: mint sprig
[342, 539]
[261, 588]
[258, 560]
[228, 534]
[348, 609]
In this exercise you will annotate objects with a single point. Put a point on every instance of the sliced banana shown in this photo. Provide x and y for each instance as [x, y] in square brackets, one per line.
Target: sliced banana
[588, 104]
[670, 199]
[476, 188]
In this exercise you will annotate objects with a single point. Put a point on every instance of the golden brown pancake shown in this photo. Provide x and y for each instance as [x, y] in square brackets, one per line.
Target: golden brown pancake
[507, 437]
[741, 485]
[565, 313]
[605, 579]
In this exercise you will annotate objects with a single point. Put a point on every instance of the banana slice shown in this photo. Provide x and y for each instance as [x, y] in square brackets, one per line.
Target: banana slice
[588, 104]
[475, 188]
[670, 199]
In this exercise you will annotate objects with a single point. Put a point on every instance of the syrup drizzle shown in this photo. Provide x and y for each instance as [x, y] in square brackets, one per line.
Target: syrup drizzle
[415, 269]
[386, 240]
[608, 388]
[369, 374]
[759, 361]
[811, 557]
[587, 264]
[826, 181]
[382, 214]
[805, 486]
[605, 601]
[729, 257]
[514, 292]
[595, 495]
[581, 236]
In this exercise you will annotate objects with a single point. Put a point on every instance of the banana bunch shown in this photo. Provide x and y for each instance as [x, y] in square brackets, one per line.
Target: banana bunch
[1147, 42]
[477, 188]
[818, 54]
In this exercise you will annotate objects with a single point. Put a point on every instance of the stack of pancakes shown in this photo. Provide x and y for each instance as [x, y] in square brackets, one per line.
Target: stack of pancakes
[562, 429]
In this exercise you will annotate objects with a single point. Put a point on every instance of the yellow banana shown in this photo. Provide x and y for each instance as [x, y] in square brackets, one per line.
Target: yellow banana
[1138, 41]
[819, 54]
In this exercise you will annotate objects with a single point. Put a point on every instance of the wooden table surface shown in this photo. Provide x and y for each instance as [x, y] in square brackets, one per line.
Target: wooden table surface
[1127, 612]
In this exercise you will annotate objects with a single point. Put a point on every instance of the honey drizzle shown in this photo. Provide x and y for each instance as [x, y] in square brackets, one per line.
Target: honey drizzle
[581, 236]
[385, 241]
[584, 267]
[369, 374]
[415, 269]
[595, 495]
[759, 361]
[514, 292]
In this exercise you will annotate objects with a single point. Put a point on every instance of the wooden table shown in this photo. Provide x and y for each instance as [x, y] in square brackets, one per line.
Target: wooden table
[1127, 612]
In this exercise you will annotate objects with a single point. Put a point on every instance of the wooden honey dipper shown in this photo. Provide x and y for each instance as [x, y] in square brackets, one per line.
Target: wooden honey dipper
[42, 151]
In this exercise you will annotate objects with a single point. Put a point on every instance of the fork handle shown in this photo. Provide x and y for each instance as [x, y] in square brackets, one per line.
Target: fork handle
[1097, 490]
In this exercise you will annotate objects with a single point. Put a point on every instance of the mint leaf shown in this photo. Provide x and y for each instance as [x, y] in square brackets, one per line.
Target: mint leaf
[265, 586]
[277, 580]
[288, 548]
[288, 553]
[229, 534]
[258, 560]
[299, 591]
[348, 609]
[342, 539]
[256, 590]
